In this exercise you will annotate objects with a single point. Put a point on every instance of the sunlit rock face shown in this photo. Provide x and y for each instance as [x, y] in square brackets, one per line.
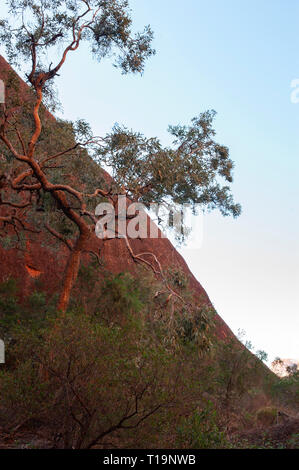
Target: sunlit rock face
[284, 367]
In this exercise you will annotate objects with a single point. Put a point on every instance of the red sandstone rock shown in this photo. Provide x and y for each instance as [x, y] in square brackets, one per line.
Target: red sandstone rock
[40, 261]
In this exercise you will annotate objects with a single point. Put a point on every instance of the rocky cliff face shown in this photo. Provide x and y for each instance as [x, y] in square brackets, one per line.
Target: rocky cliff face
[37, 260]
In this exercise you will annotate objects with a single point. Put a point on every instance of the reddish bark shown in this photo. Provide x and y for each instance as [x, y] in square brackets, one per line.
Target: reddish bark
[71, 272]
[64, 265]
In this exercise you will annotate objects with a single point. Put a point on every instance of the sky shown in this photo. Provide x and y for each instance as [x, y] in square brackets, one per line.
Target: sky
[239, 58]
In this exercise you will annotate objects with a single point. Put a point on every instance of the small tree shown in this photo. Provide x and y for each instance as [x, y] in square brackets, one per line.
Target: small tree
[239, 368]
[88, 380]
[187, 172]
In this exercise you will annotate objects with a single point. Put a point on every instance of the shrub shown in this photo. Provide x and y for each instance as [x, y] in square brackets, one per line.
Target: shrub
[286, 390]
[201, 431]
[293, 442]
[87, 379]
[34, 312]
[266, 416]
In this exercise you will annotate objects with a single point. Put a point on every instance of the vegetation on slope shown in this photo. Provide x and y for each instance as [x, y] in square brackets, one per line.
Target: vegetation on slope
[122, 368]
[195, 169]
[109, 360]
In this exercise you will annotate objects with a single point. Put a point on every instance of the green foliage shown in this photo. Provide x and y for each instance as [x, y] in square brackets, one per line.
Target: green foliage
[178, 278]
[52, 24]
[190, 171]
[9, 288]
[33, 314]
[293, 442]
[88, 274]
[186, 173]
[249, 419]
[120, 295]
[80, 373]
[237, 376]
[201, 431]
[266, 416]
[286, 390]
[22, 390]
[77, 170]
[261, 355]
[194, 328]
[91, 368]
[10, 242]
[101, 377]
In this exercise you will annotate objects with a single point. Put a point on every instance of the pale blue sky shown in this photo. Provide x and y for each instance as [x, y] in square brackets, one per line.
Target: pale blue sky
[239, 58]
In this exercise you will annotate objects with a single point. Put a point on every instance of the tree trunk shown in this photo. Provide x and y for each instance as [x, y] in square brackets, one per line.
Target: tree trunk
[71, 272]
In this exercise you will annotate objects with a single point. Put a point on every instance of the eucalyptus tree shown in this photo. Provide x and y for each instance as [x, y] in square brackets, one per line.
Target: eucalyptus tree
[39, 37]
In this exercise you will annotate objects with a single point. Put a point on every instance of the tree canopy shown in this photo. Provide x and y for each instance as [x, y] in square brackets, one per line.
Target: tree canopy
[40, 26]
[40, 35]
[186, 173]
